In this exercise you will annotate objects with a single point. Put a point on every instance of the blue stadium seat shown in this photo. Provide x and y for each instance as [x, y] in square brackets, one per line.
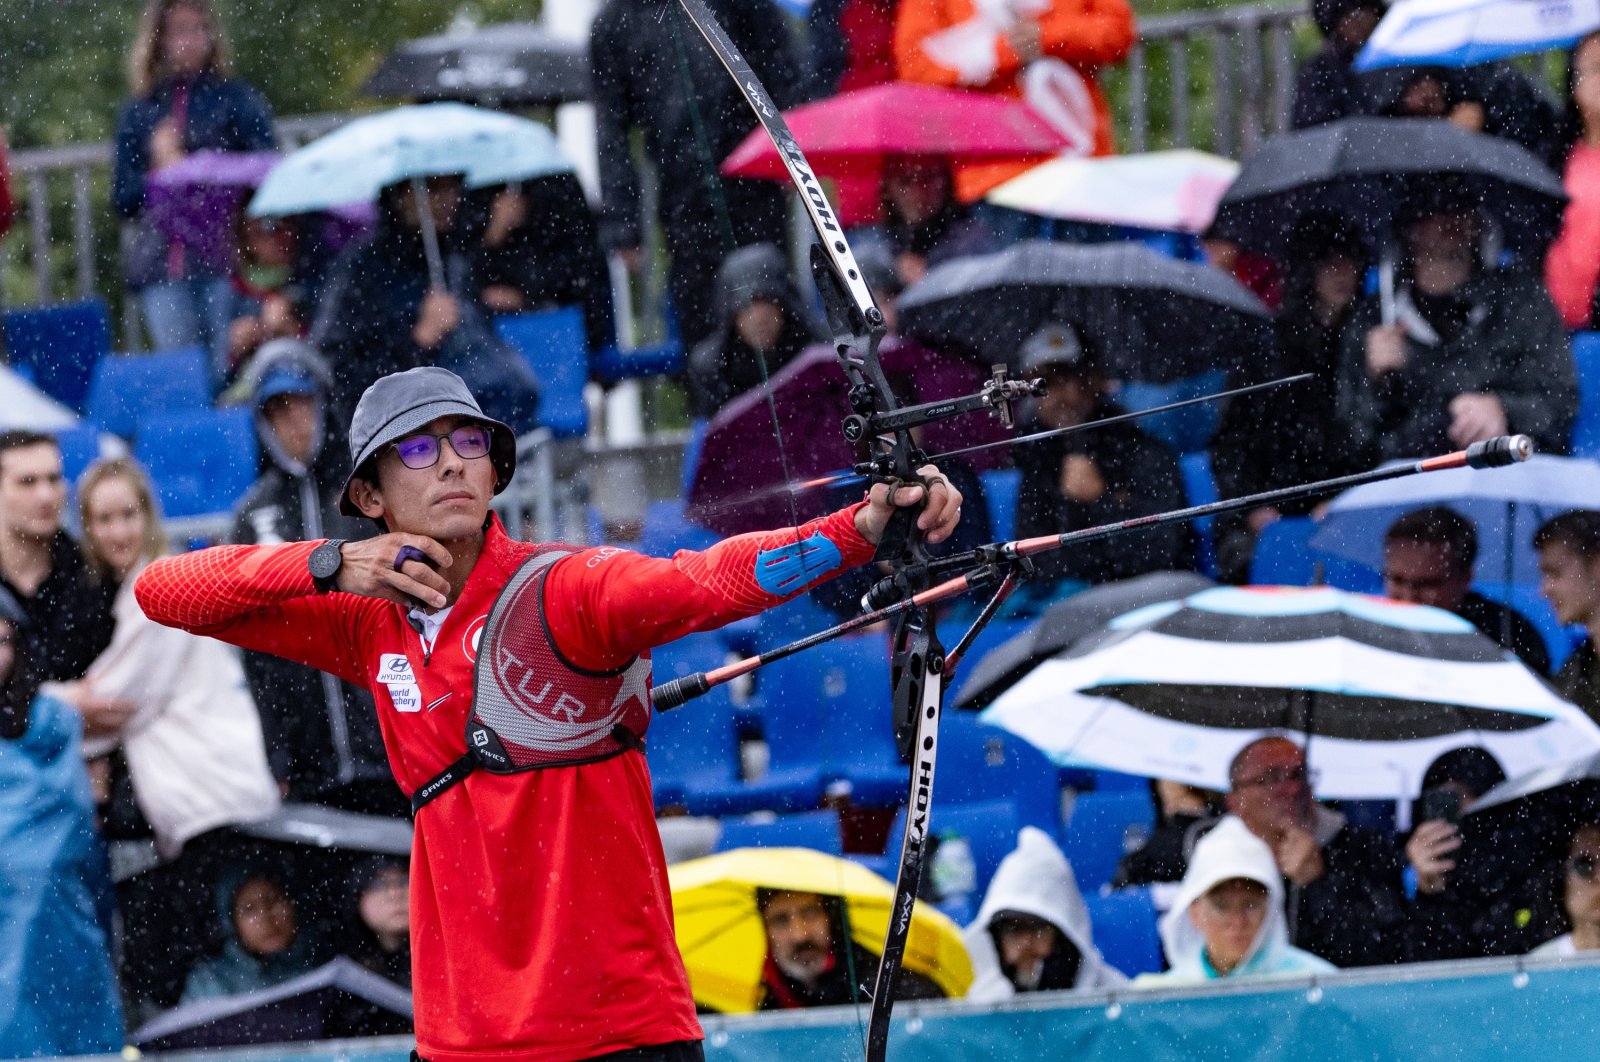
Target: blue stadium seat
[1116, 781]
[1000, 489]
[990, 831]
[1283, 553]
[130, 388]
[200, 461]
[1125, 929]
[1586, 429]
[1200, 487]
[817, 830]
[614, 364]
[80, 448]
[694, 747]
[665, 531]
[1187, 430]
[57, 347]
[852, 676]
[1096, 833]
[980, 763]
[554, 346]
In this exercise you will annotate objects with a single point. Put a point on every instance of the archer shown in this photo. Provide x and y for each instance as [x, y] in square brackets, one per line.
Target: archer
[540, 912]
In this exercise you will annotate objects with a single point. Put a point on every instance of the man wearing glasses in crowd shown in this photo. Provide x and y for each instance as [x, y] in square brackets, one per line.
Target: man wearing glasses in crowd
[1343, 895]
[540, 912]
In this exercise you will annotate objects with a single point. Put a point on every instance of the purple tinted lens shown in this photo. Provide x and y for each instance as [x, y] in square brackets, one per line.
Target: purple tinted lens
[470, 442]
[418, 451]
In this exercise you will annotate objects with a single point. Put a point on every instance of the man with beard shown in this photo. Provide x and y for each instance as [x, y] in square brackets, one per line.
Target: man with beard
[807, 964]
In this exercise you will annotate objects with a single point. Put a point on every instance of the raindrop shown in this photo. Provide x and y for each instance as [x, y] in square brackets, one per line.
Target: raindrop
[1314, 994]
[913, 1026]
[1520, 979]
[1113, 1012]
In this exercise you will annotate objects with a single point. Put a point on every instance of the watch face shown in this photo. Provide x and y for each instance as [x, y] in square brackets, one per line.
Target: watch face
[325, 560]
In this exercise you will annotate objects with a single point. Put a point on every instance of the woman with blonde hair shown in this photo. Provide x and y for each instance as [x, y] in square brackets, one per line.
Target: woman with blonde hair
[194, 748]
[185, 100]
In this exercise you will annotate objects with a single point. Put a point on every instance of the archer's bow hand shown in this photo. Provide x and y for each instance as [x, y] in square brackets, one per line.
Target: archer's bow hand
[940, 502]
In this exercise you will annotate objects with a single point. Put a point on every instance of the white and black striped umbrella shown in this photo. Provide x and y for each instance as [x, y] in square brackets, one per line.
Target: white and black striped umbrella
[1173, 690]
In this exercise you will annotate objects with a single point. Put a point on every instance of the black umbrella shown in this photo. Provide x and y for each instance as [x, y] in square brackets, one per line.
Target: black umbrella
[1064, 623]
[510, 63]
[1576, 776]
[1364, 166]
[322, 827]
[1150, 317]
[305, 1008]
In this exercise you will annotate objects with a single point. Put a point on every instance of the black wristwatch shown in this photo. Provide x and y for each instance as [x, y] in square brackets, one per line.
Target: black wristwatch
[324, 563]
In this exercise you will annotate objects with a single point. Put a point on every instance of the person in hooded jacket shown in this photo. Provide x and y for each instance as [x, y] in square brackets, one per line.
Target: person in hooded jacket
[1032, 933]
[380, 940]
[760, 319]
[381, 312]
[322, 734]
[1327, 88]
[1227, 919]
[264, 942]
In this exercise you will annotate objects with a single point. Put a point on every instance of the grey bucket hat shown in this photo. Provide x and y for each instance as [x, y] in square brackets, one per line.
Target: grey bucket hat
[402, 403]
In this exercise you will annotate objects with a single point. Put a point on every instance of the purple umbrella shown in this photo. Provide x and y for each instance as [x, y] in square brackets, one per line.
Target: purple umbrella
[738, 482]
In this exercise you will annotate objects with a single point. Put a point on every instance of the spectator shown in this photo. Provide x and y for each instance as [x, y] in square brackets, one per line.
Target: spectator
[381, 942]
[265, 944]
[541, 250]
[1183, 813]
[1048, 52]
[1465, 354]
[381, 312]
[1032, 933]
[852, 45]
[654, 74]
[1572, 268]
[807, 965]
[761, 320]
[1342, 894]
[59, 996]
[1580, 898]
[185, 100]
[1227, 919]
[1569, 578]
[322, 734]
[923, 221]
[1291, 435]
[193, 744]
[1326, 88]
[1094, 477]
[1428, 556]
[1494, 99]
[274, 285]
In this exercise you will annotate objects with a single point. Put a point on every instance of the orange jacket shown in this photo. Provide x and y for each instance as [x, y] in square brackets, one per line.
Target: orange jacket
[1086, 34]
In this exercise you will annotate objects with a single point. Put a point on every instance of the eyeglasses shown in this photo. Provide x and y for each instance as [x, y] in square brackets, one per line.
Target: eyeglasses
[1276, 776]
[470, 442]
[1585, 867]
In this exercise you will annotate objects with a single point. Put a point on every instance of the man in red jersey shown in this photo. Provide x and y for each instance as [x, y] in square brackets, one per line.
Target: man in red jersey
[541, 916]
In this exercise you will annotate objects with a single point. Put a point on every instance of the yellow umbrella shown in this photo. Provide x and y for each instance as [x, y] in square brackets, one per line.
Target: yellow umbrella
[724, 944]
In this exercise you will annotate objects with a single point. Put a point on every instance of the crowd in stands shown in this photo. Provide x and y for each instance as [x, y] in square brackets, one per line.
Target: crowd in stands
[144, 733]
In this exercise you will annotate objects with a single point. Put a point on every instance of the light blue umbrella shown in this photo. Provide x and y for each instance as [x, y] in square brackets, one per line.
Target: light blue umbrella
[353, 162]
[1507, 504]
[1468, 32]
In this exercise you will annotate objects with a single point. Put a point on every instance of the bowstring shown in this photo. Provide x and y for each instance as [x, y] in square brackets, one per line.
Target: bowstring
[730, 243]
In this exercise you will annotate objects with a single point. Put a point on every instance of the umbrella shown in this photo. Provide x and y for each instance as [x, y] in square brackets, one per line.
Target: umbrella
[295, 1011]
[325, 827]
[723, 941]
[740, 464]
[193, 201]
[1174, 690]
[1508, 505]
[1063, 623]
[352, 163]
[1546, 779]
[509, 63]
[1469, 32]
[1359, 166]
[1153, 318]
[1174, 191]
[846, 137]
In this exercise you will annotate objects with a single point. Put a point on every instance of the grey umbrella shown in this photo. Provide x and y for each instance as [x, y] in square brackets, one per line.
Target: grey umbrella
[509, 64]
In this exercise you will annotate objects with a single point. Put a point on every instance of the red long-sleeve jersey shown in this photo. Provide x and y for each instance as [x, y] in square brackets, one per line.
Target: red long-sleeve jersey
[541, 919]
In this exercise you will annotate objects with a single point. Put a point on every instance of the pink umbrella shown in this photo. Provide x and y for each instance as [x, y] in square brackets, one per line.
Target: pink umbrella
[846, 137]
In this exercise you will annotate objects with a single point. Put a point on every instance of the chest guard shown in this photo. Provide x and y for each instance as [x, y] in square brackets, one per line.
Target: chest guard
[531, 707]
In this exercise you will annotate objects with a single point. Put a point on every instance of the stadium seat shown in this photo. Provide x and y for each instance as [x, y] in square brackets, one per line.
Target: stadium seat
[1097, 832]
[980, 763]
[1283, 553]
[694, 747]
[817, 830]
[1188, 430]
[615, 364]
[57, 347]
[201, 461]
[1000, 488]
[131, 388]
[853, 679]
[554, 346]
[1200, 487]
[1586, 428]
[80, 447]
[990, 831]
[1125, 929]
[665, 531]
